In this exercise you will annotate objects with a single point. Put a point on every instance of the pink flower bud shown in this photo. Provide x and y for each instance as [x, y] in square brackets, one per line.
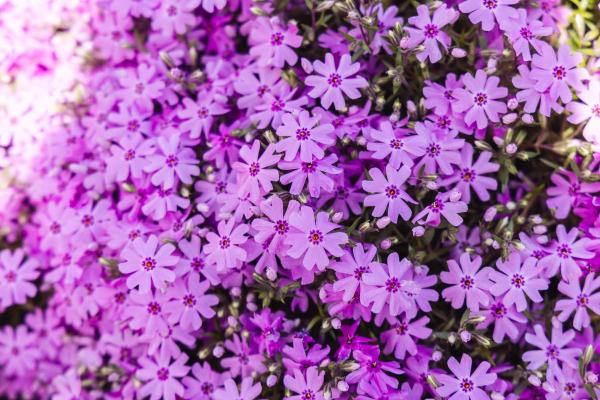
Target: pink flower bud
[458, 52]
[418, 231]
[509, 118]
[337, 217]
[540, 229]
[383, 222]
[271, 380]
[534, 380]
[271, 274]
[385, 244]
[343, 386]
[511, 148]
[465, 336]
[490, 213]
[432, 185]
[436, 356]
[306, 65]
[591, 378]
[512, 103]
[455, 196]
[411, 107]
[218, 351]
[336, 323]
[527, 118]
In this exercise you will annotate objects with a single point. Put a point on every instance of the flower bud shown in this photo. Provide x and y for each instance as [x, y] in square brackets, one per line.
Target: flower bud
[542, 239]
[495, 245]
[418, 231]
[383, 222]
[497, 396]
[452, 338]
[271, 274]
[361, 141]
[404, 43]
[385, 244]
[591, 378]
[337, 217]
[455, 196]
[536, 219]
[465, 336]
[218, 351]
[534, 380]
[432, 185]
[540, 229]
[512, 104]
[343, 386]
[436, 356]
[489, 214]
[511, 148]
[231, 321]
[457, 52]
[306, 65]
[411, 107]
[336, 323]
[236, 291]
[271, 380]
[527, 119]
[509, 118]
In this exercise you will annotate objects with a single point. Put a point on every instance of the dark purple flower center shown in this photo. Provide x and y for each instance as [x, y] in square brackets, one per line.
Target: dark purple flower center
[207, 388]
[282, 227]
[430, 31]
[309, 167]
[129, 155]
[262, 89]
[197, 264]
[172, 11]
[308, 394]
[467, 175]
[518, 281]
[392, 285]
[149, 263]
[564, 251]
[189, 300]
[443, 122]
[526, 33]
[203, 112]
[302, 134]
[243, 359]
[133, 125]
[480, 99]
[334, 80]
[396, 144]
[87, 220]
[315, 237]
[172, 160]
[277, 39]
[498, 310]
[225, 242]
[490, 4]
[254, 169]
[539, 254]
[402, 328]
[433, 150]
[391, 191]
[467, 282]
[162, 374]
[139, 88]
[570, 388]
[552, 352]
[466, 385]
[55, 228]
[337, 122]
[277, 105]
[153, 308]
[559, 72]
[583, 300]
[359, 272]
[448, 95]
[436, 206]
[341, 193]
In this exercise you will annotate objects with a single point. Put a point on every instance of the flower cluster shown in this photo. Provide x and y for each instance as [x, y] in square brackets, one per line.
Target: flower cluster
[299, 200]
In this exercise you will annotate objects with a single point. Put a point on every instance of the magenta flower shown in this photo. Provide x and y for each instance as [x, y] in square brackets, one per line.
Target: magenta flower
[174, 161]
[558, 72]
[148, 263]
[247, 390]
[16, 277]
[146, 311]
[203, 383]
[316, 172]
[580, 300]
[273, 43]
[141, 87]
[198, 116]
[400, 338]
[193, 263]
[587, 110]
[524, 32]
[468, 281]
[518, 278]
[441, 98]
[388, 193]
[19, 351]
[563, 253]
[427, 30]
[302, 133]
[333, 82]
[163, 201]
[162, 377]
[489, 11]
[134, 7]
[313, 238]
[174, 16]
[129, 157]
[128, 121]
[442, 206]
[254, 85]
[244, 362]
[224, 249]
[373, 370]
[567, 192]
[189, 301]
[351, 269]
[464, 384]
[307, 386]
[441, 149]
[480, 97]
[552, 352]
[387, 17]
[297, 358]
[254, 174]
[504, 319]
[471, 175]
[532, 96]
[271, 232]
[274, 104]
[401, 149]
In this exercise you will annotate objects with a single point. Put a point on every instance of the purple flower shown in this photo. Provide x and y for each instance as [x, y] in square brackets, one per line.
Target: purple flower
[247, 390]
[563, 253]
[580, 300]
[470, 175]
[464, 384]
[211, 5]
[254, 85]
[351, 269]
[532, 96]
[388, 193]
[517, 280]
[148, 263]
[315, 171]
[442, 206]
[401, 149]
[296, 358]
[558, 72]
[587, 110]
[272, 42]
[189, 301]
[198, 116]
[16, 277]
[373, 370]
[254, 173]
[19, 351]
[486, 11]
[274, 104]
[302, 133]
[129, 157]
[504, 319]
[399, 339]
[224, 249]
[141, 87]
[162, 377]
[524, 31]
[441, 98]
[313, 237]
[307, 386]
[203, 383]
[552, 352]
[333, 82]
[480, 97]
[567, 192]
[174, 161]
[244, 362]
[428, 31]
[174, 16]
[468, 281]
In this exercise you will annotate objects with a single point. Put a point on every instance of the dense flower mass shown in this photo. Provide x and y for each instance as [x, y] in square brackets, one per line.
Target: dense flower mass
[300, 200]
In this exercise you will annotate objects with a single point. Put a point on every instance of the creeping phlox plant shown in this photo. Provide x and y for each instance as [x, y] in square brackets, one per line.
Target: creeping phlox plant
[299, 199]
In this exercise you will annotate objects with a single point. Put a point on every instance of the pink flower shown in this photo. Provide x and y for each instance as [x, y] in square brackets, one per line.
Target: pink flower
[401, 149]
[389, 193]
[148, 262]
[580, 300]
[202, 384]
[387, 18]
[189, 302]
[163, 201]
[567, 192]
[471, 175]
[552, 352]
[486, 11]
[532, 96]
[517, 280]
[524, 32]
[479, 98]
[253, 88]
[16, 277]
[174, 161]
[464, 384]
[351, 269]
[558, 72]
[504, 319]
[243, 362]
[254, 174]
[428, 31]
[129, 157]
[146, 311]
[373, 370]
[587, 110]
[302, 133]
[313, 238]
[271, 232]
[193, 262]
[141, 87]
[211, 5]
[274, 104]
[128, 121]
[399, 339]
[174, 16]
[563, 253]
[296, 357]
[161, 377]
[441, 98]
[441, 149]
[134, 7]
[198, 116]
[333, 82]
[307, 386]
[223, 249]
[19, 351]
[247, 390]
[468, 281]
[316, 172]
[272, 42]
[442, 206]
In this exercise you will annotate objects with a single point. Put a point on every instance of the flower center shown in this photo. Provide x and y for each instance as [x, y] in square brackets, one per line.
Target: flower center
[596, 110]
[172, 11]
[480, 99]
[396, 144]
[448, 94]
[552, 351]
[162, 374]
[436, 206]
[583, 300]
[129, 155]
[392, 285]
[149, 263]
[262, 89]
[467, 282]
[302, 134]
[277, 39]
[359, 272]
[171, 161]
[402, 329]
[10, 276]
[307, 394]
[277, 105]
[55, 228]
[341, 193]
[139, 88]
[315, 237]
[467, 175]
[87, 220]
[391, 191]
[207, 388]
[526, 33]
[518, 281]
[197, 264]
[559, 72]
[133, 125]
[564, 251]
[443, 122]
[498, 310]
[153, 308]
[490, 4]
[431, 31]
[570, 388]
[254, 169]
[202, 112]
[189, 300]
[334, 80]
[309, 167]
[466, 385]
[433, 150]
[282, 227]
[225, 242]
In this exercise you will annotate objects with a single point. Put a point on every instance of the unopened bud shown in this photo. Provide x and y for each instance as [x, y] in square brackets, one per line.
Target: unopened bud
[411, 107]
[497, 396]
[534, 380]
[383, 222]
[385, 244]
[271, 274]
[432, 185]
[527, 119]
[271, 380]
[512, 104]
[465, 336]
[591, 378]
[343, 386]
[511, 148]
[218, 351]
[336, 323]
[509, 118]
[455, 196]
[540, 229]
[542, 239]
[452, 338]
[489, 214]
[337, 217]
[457, 52]
[306, 65]
[418, 231]
[436, 356]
